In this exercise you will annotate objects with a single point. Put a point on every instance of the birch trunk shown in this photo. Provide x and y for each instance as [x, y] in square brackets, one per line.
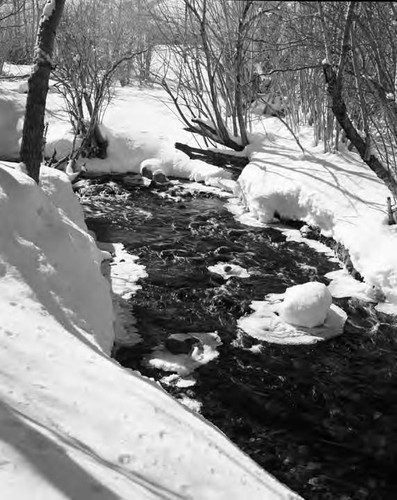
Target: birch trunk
[33, 128]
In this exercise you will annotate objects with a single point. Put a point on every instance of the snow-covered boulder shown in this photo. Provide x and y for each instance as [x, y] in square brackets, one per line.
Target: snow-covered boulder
[149, 166]
[306, 305]
[159, 177]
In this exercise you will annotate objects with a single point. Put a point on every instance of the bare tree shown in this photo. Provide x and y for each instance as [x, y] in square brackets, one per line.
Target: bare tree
[335, 82]
[33, 128]
[19, 20]
[92, 45]
[210, 65]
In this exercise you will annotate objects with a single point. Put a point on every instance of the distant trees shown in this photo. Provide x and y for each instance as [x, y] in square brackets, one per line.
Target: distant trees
[210, 64]
[19, 21]
[33, 129]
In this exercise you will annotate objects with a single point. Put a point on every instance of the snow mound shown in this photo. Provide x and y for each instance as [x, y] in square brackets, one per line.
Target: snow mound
[306, 316]
[344, 285]
[123, 273]
[125, 151]
[142, 152]
[265, 199]
[201, 171]
[60, 139]
[265, 325]
[178, 164]
[306, 305]
[23, 87]
[44, 240]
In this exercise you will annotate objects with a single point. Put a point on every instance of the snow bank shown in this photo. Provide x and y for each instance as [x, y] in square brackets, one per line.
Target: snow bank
[148, 134]
[16, 70]
[12, 110]
[140, 125]
[73, 423]
[178, 164]
[336, 192]
[123, 273]
[344, 285]
[142, 150]
[44, 243]
[266, 197]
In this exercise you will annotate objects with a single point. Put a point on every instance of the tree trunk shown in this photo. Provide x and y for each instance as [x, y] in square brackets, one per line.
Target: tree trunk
[340, 112]
[33, 128]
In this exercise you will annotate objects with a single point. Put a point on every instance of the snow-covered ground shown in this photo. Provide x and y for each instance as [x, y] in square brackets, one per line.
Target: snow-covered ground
[336, 192]
[74, 424]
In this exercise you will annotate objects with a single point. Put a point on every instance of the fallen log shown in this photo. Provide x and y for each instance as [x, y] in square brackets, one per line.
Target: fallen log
[225, 160]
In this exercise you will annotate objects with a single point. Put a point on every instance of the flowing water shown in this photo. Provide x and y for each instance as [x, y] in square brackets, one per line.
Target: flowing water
[321, 418]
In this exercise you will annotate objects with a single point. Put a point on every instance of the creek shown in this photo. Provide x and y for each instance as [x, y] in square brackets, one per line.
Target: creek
[322, 417]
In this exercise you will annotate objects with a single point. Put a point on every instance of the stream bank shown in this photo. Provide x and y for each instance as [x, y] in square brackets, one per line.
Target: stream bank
[296, 410]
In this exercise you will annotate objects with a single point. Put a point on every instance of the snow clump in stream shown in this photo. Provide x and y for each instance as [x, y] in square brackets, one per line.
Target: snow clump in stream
[204, 351]
[306, 305]
[304, 314]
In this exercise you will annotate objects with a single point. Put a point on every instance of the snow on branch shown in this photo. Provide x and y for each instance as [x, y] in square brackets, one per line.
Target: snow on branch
[48, 10]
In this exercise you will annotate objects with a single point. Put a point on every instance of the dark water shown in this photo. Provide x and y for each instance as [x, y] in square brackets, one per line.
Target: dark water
[321, 418]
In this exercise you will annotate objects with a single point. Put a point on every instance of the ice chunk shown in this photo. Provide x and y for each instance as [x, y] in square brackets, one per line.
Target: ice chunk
[306, 305]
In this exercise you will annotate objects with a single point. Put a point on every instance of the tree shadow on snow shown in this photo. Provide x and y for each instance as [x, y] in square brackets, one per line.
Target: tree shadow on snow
[38, 445]
[379, 207]
[48, 459]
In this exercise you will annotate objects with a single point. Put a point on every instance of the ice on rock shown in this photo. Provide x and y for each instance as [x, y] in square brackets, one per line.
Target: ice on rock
[306, 305]
[148, 166]
[202, 352]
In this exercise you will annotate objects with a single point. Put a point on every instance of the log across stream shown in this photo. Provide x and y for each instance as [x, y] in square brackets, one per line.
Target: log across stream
[321, 418]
